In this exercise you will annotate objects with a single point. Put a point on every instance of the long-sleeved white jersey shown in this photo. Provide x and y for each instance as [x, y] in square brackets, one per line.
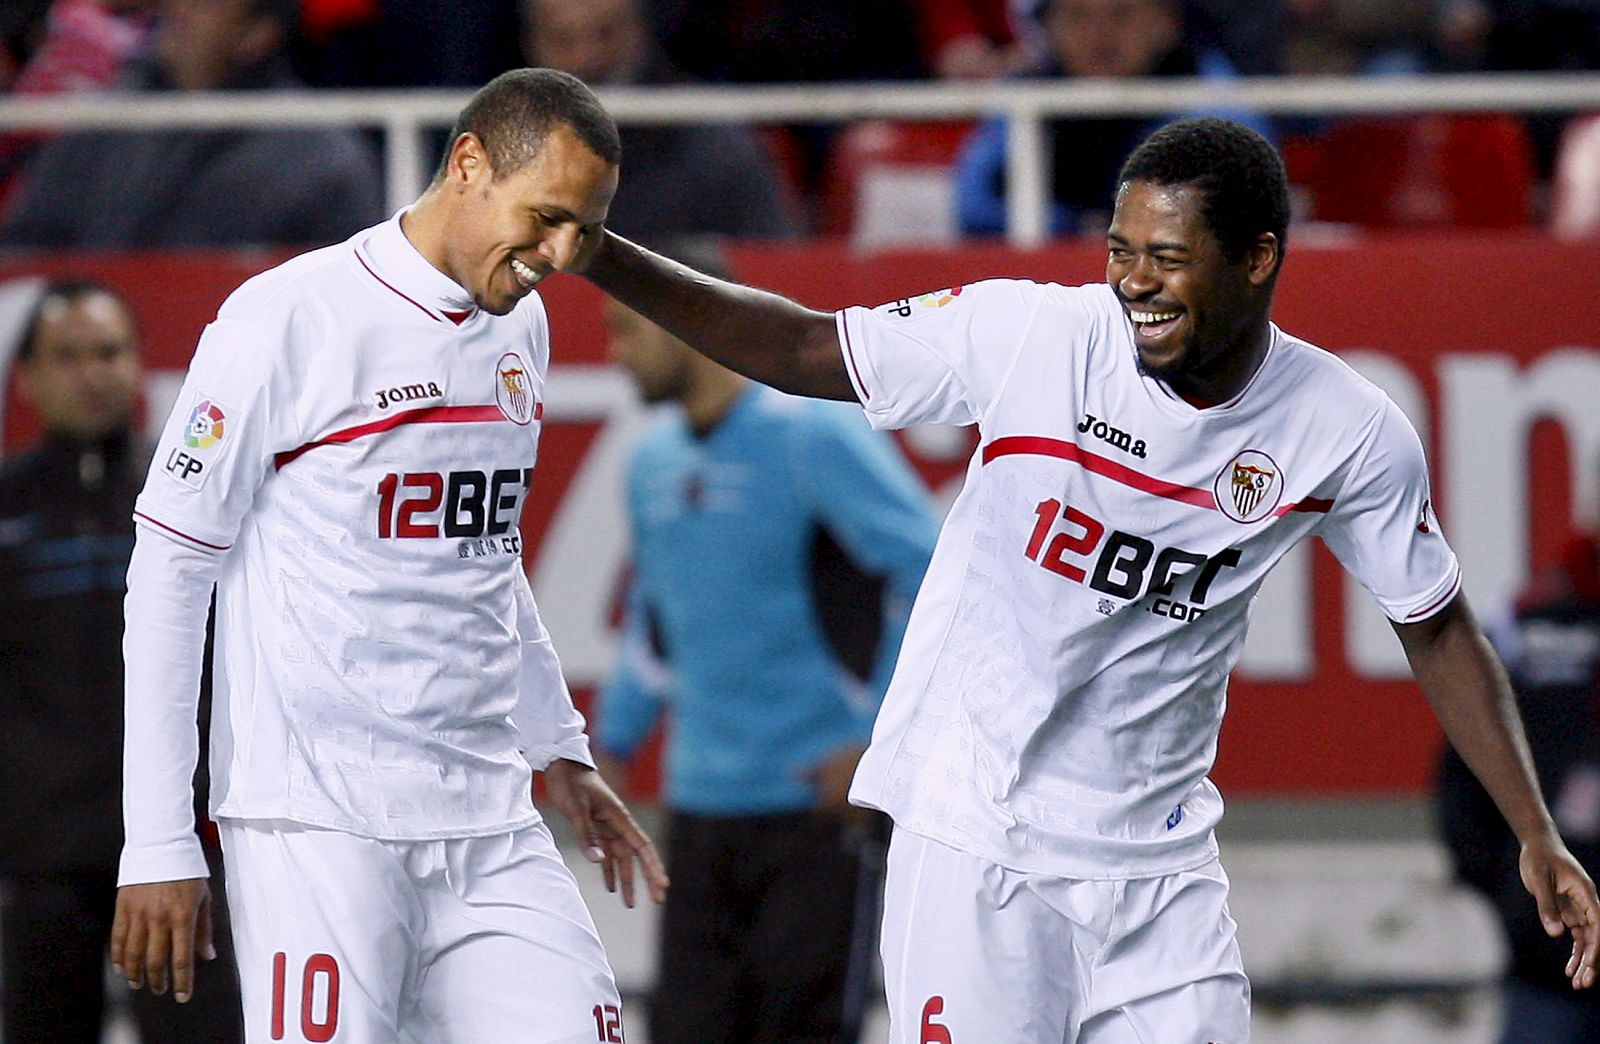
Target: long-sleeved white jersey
[348, 459]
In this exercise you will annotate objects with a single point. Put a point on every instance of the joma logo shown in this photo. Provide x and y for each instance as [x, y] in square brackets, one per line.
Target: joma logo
[407, 393]
[1116, 436]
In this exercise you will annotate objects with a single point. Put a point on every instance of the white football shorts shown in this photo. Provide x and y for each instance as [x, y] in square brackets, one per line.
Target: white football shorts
[462, 941]
[974, 953]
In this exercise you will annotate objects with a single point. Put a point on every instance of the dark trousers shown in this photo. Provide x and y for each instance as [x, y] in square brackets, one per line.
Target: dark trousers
[54, 933]
[769, 930]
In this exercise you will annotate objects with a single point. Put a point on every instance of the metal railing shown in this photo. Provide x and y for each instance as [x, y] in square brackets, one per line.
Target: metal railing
[406, 116]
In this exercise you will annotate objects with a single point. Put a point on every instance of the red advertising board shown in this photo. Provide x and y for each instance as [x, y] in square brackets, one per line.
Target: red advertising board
[1489, 342]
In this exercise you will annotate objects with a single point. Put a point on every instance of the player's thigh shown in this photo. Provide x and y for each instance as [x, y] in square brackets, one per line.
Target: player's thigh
[1172, 971]
[970, 953]
[511, 952]
[323, 928]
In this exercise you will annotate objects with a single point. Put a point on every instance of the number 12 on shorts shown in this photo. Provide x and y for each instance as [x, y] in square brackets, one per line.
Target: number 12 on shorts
[321, 973]
[608, 1024]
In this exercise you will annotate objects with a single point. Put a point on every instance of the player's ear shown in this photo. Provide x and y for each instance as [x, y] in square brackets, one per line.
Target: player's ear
[469, 160]
[1263, 257]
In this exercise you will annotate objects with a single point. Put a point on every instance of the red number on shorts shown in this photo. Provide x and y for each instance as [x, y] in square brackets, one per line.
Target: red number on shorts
[932, 1032]
[608, 1024]
[312, 1030]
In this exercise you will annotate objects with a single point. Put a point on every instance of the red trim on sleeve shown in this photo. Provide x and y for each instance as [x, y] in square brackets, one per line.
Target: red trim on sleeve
[426, 415]
[1046, 447]
[850, 357]
[180, 533]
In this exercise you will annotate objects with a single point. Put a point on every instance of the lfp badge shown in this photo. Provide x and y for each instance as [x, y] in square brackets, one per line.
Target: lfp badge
[205, 428]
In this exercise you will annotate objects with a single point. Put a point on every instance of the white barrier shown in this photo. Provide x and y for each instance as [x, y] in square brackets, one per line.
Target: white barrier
[406, 115]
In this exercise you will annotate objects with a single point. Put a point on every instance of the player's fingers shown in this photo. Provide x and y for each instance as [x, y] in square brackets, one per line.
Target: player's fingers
[624, 861]
[119, 934]
[157, 951]
[1544, 895]
[133, 948]
[655, 874]
[182, 960]
[204, 939]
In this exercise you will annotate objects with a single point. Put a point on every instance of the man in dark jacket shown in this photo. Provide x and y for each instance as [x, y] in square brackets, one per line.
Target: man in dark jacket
[188, 187]
[66, 531]
[1551, 647]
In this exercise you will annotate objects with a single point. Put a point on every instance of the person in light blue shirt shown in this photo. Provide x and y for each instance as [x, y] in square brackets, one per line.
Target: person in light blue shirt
[778, 543]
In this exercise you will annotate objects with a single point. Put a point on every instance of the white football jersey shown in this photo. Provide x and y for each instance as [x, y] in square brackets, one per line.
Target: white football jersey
[359, 440]
[1062, 682]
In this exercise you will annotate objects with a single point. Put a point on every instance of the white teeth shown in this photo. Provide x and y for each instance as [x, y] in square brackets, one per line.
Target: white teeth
[1151, 317]
[526, 274]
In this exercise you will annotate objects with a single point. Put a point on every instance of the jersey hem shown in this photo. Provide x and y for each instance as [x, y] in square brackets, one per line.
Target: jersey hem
[356, 830]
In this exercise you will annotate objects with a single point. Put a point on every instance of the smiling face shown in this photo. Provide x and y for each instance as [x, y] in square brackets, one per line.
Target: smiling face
[503, 234]
[1199, 319]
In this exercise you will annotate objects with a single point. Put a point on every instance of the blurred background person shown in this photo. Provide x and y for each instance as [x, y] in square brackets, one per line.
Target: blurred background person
[1088, 39]
[66, 532]
[777, 543]
[682, 179]
[1551, 647]
[62, 47]
[184, 187]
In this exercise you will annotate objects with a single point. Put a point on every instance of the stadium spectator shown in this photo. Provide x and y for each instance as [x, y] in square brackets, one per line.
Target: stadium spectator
[66, 531]
[1149, 448]
[967, 39]
[683, 179]
[1551, 647]
[386, 688]
[1087, 39]
[777, 544]
[82, 45]
[1349, 37]
[185, 187]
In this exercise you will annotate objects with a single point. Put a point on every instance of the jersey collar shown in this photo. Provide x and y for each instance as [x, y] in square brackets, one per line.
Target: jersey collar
[390, 258]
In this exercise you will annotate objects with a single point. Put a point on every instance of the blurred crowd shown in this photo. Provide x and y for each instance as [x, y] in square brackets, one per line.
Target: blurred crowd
[177, 188]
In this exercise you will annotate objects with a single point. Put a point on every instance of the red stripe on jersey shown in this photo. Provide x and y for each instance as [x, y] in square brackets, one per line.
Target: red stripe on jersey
[1041, 446]
[850, 354]
[426, 415]
[423, 308]
[180, 533]
[1316, 505]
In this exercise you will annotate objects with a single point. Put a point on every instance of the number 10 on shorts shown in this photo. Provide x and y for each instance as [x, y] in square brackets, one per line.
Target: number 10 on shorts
[318, 981]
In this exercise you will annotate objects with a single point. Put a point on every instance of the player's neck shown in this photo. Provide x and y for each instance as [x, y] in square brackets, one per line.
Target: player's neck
[423, 225]
[1232, 371]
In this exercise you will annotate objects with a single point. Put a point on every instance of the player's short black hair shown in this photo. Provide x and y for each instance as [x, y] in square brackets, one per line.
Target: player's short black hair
[1238, 172]
[65, 290]
[514, 112]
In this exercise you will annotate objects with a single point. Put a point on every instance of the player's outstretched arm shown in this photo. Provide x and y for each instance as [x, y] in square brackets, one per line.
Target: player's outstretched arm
[1464, 682]
[609, 833]
[760, 334]
[158, 931]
